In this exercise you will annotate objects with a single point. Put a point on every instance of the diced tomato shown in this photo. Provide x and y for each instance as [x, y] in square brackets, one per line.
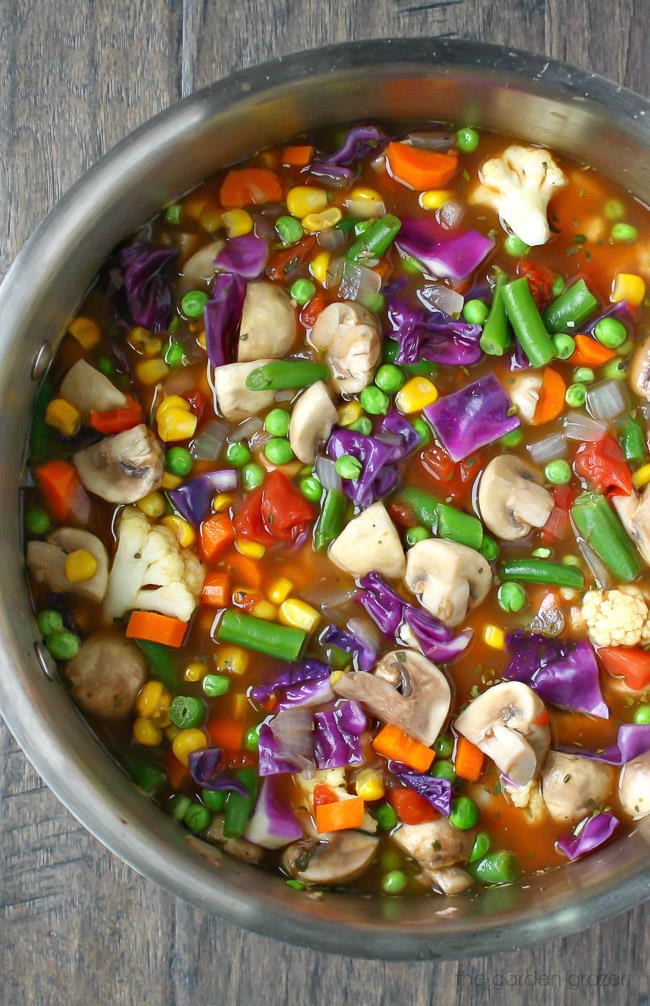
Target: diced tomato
[196, 401]
[603, 464]
[284, 262]
[631, 663]
[540, 280]
[117, 420]
[285, 511]
[312, 309]
[248, 522]
[410, 807]
[324, 794]
[564, 496]
[402, 514]
[556, 526]
[455, 479]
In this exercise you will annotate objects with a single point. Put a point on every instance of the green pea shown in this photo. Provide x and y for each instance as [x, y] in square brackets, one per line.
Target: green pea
[571, 560]
[174, 354]
[106, 366]
[374, 401]
[178, 461]
[564, 346]
[197, 817]
[489, 548]
[362, 425]
[624, 233]
[497, 868]
[583, 375]
[279, 451]
[467, 140]
[390, 351]
[394, 882]
[558, 472]
[302, 291]
[173, 214]
[289, 230]
[475, 312]
[423, 429]
[559, 284]
[610, 332]
[277, 422]
[252, 738]
[575, 395]
[541, 553]
[193, 303]
[215, 684]
[512, 439]
[416, 534]
[511, 597]
[49, 621]
[238, 454]
[515, 246]
[252, 477]
[390, 378]
[348, 467]
[642, 713]
[63, 645]
[444, 746]
[214, 799]
[615, 370]
[179, 805]
[385, 816]
[481, 846]
[626, 347]
[464, 813]
[311, 489]
[613, 209]
[186, 712]
[37, 521]
[443, 770]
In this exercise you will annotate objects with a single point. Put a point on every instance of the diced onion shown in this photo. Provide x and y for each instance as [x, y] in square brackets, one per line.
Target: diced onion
[332, 240]
[293, 732]
[441, 298]
[597, 567]
[430, 140]
[209, 443]
[607, 399]
[577, 426]
[324, 594]
[246, 430]
[551, 447]
[358, 283]
[327, 474]
[365, 209]
[365, 630]
[259, 439]
[334, 272]
[450, 214]
[285, 395]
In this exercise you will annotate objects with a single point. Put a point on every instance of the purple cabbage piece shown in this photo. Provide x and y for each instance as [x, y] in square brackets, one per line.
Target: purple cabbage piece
[272, 825]
[359, 143]
[395, 424]
[427, 630]
[285, 743]
[137, 293]
[518, 359]
[192, 499]
[222, 318]
[352, 717]
[300, 684]
[437, 791]
[453, 254]
[589, 837]
[378, 474]
[350, 643]
[432, 335]
[335, 745]
[243, 256]
[633, 741]
[562, 673]
[472, 417]
[204, 765]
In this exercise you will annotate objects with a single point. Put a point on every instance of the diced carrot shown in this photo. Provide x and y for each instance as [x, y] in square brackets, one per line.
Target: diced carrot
[177, 773]
[297, 156]
[216, 589]
[551, 397]
[62, 491]
[248, 570]
[410, 807]
[391, 742]
[340, 815]
[248, 186]
[225, 733]
[156, 628]
[590, 353]
[421, 169]
[469, 760]
[216, 534]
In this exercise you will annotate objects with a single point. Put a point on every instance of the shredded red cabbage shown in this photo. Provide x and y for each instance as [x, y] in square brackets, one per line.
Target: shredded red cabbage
[192, 499]
[472, 417]
[272, 825]
[289, 682]
[588, 836]
[437, 791]
[244, 256]
[378, 474]
[222, 318]
[454, 254]
[347, 641]
[395, 424]
[204, 765]
[633, 741]
[137, 293]
[359, 143]
[285, 743]
[432, 335]
[562, 673]
[335, 744]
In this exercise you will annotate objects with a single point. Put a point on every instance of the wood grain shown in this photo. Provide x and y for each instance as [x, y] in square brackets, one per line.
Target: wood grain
[79, 926]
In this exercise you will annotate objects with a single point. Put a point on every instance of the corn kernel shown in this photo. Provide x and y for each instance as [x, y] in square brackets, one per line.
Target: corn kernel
[266, 610]
[221, 502]
[80, 565]
[304, 199]
[629, 287]
[172, 732]
[641, 476]
[85, 331]
[170, 481]
[146, 732]
[494, 637]
[416, 394]
[63, 416]
[161, 717]
[176, 424]
[434, 199]
[315, 222]
[280, 589]
[172, 402]
[187, 741]
[231, 660]
[237, 223]
[149, 699]
[202, 341]
[369, 785]
[362, 192]
[252, 549]
[150, 372]
[348, 413]
[298, 614]
[239, 705]
[152, 505]
[335, 676]
[183, 530]
[195, 671]
[144, 342]
[318, 267]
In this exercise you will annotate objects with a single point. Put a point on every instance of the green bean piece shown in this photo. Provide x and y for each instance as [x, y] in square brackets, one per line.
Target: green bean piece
[457, 526]
[481, 846]
[601, 529]
[572, 307]
[496, 868]
[281, 641]
[238, 807]
[330, 522]
[424, 506]
[496, 338]
[490, 548]
[527, 322]
[632, 439]
[282, 374]
[541, 571]
[162, 661]
[374, 241]
[145, 774]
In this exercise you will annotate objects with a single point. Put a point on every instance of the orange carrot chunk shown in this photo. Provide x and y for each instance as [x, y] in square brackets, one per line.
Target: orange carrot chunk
[225, 733]
[297, 156]
[551, 397]
[421, 169]
[156, 628]
[391, 742]
[249, 186]
[469, 760]
[216, 534]
[62, 491]
[216, 589]
[590, 353]
[340, 815]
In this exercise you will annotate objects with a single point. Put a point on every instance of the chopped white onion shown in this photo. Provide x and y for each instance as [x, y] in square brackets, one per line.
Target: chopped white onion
[327, 474]
[577, 426]
[246, 430]
[332, 240]
[358, 283]
[365, 630]
[450, 214]
[607, 399]
[285, 395]
[441, 298]
[209, 443]
[293, 734]
[365, 209]
[596, 565]
[430, 140]
[551, 447]
[334, 272]
[259, 440]
[325, 595]
[180, 383]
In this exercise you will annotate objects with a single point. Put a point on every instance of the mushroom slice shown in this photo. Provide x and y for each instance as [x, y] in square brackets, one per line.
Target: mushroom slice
[369, 542]
[640, 370]
[240, 848]
[46, 560]
[451, 880]
[422, 706]
[351, 337]
[232, 398]
[335, 859]
[508, 723]
[268, 322]
[199, 268]
[634, 786]
[573, 786]
[447, 578]
[434, 845]
[312, 420]
[106, 675]
[123, 468]
[510, 499]
[88, 390]
[634, 512]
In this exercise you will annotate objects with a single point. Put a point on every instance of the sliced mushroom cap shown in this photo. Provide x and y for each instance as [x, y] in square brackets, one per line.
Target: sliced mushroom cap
[523, 390]
[123, 468]
[335, 859]
[447, 578]
[106, 675]
[199, 268]
[369, 542]
[232, 398]
[508, 722]
[640, 369]
[572, 786]
[419, 709]
[510, 499]
[85, 388]
[634, 786]
[451, 880]
[240, 848]
[635, 517]
[46, 561]
[434, 845]
[351, 337]
[312, 420]
[268, 322]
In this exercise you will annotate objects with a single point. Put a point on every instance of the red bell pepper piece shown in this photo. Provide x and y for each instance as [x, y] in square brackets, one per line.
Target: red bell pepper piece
[117, 420]
[631, 663]
[603, 464]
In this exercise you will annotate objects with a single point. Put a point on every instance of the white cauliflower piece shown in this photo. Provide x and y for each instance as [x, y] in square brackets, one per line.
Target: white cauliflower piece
[618, 617]
[151, 571]
[518, 185]
[524, 391]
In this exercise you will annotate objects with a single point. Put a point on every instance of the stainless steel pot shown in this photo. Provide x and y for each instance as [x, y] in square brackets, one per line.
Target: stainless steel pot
[579, 114]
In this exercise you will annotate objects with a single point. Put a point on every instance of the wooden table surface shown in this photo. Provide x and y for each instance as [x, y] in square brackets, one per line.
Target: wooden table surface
[80, 927]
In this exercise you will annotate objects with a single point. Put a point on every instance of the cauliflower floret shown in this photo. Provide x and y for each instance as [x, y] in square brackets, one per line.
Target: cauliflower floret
[151, 571]
[618, 617]
[518, 185]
